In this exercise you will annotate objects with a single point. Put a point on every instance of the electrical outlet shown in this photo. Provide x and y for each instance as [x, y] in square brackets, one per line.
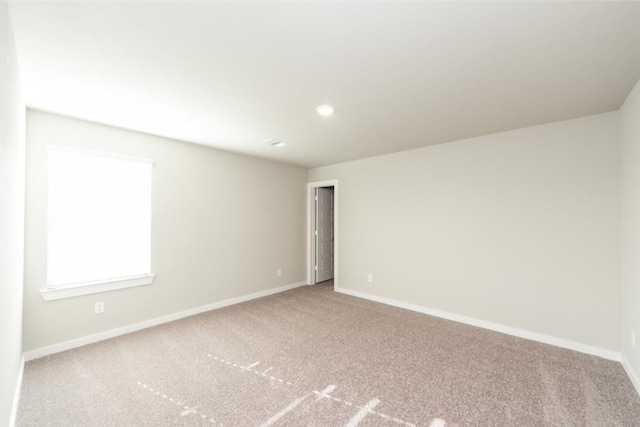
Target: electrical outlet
[370, 278]
[633, 338]
[98, 308]
[279, 272]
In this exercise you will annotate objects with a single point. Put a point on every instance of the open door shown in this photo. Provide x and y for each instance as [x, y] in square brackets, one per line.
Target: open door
[324, 234]
[327, 266]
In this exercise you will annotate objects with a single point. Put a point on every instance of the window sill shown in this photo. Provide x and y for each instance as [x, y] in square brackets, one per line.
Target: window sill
[96, 287]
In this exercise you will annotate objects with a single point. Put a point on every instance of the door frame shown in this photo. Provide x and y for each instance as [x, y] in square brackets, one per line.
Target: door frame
[311, 217]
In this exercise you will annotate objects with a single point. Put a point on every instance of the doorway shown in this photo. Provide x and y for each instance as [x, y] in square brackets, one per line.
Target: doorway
[322, 232]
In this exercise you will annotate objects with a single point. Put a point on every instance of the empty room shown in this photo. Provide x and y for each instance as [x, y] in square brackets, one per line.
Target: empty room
[319, 213]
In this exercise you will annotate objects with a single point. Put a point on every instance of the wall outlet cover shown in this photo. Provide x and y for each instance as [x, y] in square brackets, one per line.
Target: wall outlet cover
[98, 308]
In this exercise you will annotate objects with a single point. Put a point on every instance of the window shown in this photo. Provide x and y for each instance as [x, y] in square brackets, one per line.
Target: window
[99, 222]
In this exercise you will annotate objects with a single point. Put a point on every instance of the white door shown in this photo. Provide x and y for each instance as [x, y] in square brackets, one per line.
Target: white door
[324, 234]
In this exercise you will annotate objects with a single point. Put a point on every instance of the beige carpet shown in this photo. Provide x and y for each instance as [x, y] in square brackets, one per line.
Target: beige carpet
[312, 357]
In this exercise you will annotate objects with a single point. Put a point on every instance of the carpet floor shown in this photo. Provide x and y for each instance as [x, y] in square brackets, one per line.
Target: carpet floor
[313, 357]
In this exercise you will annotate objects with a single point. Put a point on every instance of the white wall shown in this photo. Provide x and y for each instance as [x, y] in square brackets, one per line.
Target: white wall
[222, 224]
[519, 228]
[630, 192]
[11, 217]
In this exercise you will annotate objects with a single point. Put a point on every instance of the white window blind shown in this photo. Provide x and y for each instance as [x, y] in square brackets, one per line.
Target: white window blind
[99, 218]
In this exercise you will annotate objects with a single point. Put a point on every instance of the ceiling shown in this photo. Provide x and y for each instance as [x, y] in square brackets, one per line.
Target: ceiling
[401, 75]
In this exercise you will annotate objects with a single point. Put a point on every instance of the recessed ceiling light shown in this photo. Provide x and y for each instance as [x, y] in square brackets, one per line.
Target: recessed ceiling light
[275, 143]
[325, 110]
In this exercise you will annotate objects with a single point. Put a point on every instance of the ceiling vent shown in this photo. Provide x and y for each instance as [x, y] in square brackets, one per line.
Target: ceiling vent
[275, 143]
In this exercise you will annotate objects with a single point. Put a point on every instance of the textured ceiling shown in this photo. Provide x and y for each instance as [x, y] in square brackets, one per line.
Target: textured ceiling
[400, 74]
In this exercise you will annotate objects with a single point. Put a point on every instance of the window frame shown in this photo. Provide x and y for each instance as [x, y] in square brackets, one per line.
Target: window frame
[51, 293]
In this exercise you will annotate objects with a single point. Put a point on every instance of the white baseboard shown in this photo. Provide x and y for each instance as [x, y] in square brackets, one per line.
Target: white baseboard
[16, 394]
[631, 373]
[68, 345]
[522, 333]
